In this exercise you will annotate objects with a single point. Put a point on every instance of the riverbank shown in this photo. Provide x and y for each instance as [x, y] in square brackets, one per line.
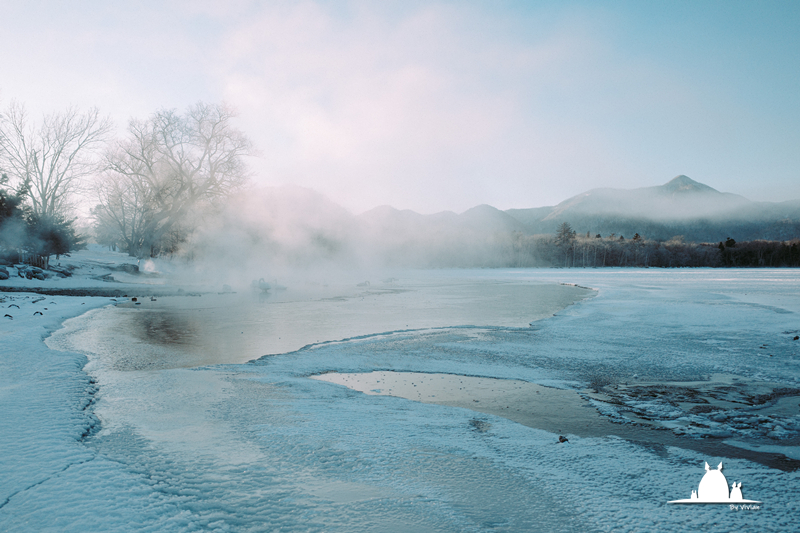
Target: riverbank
[259, 445]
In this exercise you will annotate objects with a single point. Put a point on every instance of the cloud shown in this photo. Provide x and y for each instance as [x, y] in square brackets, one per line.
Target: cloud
[375, 108]
[127, 59]
[439, 105]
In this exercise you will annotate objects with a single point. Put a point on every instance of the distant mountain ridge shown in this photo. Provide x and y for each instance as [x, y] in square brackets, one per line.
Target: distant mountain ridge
[677, 199]
[302, 224]
[681, 206]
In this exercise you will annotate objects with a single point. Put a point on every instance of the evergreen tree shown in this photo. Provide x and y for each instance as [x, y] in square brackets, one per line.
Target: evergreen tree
[565, 234]
[51, 235]
[12, 223]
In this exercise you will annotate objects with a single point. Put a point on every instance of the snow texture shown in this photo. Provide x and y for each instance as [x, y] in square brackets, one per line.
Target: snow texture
[260, 447]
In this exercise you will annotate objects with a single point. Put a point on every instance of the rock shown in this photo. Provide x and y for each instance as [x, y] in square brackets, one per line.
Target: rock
[127, 267]
[61, 271]
[33, 272]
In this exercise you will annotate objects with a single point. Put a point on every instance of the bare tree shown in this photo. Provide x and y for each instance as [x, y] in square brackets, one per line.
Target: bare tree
[169, 168]
[123, 213]
[49, 162]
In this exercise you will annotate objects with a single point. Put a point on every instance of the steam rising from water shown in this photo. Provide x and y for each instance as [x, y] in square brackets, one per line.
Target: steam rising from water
[289, 231]
[285, 232]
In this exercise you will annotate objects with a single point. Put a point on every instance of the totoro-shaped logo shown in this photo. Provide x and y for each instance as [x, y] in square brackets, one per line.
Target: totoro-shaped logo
[714, 489]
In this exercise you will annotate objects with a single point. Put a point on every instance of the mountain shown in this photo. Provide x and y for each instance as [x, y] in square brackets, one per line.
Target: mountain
[684, 185]
[487, 218]
[681, 206]
[472, 238]
[678, 199]
[480, 218]
[296, 226]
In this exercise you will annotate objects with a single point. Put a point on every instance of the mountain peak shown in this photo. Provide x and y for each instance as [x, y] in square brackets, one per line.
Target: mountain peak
[683, 183]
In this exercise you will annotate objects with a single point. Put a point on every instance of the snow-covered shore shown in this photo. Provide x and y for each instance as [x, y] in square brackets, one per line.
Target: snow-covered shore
[260, 447]
[51, 481]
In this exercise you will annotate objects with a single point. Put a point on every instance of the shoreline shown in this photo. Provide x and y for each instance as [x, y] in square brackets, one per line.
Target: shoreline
[98, 291]
[39, 444]
[237, 328]
[228, 427]
[575, 416]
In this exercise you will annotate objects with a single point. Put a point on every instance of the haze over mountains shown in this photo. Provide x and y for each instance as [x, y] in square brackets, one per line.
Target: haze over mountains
[297, 226]
[681, 206]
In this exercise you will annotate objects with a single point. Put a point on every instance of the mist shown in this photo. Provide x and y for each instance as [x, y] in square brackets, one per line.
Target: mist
[274, 233]
[296, 235]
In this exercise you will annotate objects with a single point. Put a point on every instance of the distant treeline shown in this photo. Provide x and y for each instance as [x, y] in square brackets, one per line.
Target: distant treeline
[761, 254]
[566, 249]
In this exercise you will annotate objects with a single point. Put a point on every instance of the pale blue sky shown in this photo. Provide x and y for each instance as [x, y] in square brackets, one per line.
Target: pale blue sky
[443, 105]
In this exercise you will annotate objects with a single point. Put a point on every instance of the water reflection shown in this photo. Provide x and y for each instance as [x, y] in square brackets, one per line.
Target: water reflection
[185, 331]
[165, 327]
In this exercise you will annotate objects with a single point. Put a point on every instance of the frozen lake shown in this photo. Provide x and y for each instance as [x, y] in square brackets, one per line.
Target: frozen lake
[191, 437]
[191, 331]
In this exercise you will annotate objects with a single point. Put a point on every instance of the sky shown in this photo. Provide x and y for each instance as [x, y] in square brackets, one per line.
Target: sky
[441, 105]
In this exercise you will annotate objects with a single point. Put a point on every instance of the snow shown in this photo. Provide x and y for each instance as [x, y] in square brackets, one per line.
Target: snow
[88, 445]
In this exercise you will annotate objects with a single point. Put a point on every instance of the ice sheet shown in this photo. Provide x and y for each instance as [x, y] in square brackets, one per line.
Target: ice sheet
[260, 446]
[176, 331]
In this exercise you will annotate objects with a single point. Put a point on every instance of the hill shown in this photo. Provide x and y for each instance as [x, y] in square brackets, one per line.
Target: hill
[291, 226]
[681, 206]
